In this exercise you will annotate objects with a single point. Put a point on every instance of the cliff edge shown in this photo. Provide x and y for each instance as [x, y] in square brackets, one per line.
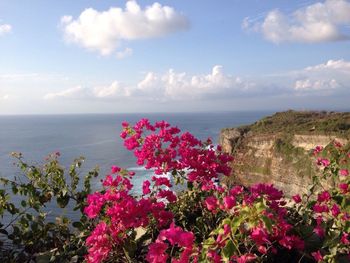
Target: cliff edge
[278, 149]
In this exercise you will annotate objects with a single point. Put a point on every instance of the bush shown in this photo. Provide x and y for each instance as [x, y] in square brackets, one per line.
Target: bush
[204, 222]
[26, 233]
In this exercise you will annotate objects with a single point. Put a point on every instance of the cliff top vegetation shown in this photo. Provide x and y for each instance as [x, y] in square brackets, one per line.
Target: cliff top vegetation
[303, 122]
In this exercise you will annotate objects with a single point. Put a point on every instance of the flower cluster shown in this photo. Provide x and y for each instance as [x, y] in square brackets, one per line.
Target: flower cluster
[244, 225]
[255, 225]
[159, 147]
[326, 210]
[120, 214]
[175, 236]
[163, 148]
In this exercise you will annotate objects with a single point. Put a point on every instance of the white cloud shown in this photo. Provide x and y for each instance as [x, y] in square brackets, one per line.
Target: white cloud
[168, 86]
[315, 85]
[127, 52]
[319, 22]
[115, 90]
[77, 92]
[181, 86]
[4, 97]
[5, 28]
[339, 65]
[103, 31]
[13, 77]
[329, 78]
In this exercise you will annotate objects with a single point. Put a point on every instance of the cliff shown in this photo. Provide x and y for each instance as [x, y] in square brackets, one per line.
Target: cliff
[277, 149]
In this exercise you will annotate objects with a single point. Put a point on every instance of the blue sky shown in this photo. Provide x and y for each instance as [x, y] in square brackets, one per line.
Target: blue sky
[145, 56]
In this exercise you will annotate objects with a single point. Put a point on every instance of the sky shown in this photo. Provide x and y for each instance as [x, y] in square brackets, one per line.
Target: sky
[85, 56]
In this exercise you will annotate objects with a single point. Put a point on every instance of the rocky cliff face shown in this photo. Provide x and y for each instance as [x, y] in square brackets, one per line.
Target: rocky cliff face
[277, 156]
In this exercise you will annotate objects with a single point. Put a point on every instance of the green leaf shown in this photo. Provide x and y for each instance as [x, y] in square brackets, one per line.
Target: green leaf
[62, 201]
[11, 209]
[74, 259]
[228, 250]
[64, 191]
[78, 225]
[260, 206]
[236, 222]
[208, 242]
[268, 223]
[14, 189]
[4, 232]
[347, 226]
[43, 257]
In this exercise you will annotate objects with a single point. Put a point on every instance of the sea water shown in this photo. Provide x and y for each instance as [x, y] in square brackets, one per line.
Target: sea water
[96, 137]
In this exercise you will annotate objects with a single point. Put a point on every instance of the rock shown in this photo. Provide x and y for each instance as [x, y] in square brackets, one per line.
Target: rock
[277, 149]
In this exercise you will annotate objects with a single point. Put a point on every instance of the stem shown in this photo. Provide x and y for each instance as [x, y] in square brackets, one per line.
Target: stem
[14, 219]
[127, 255]
[301, 258]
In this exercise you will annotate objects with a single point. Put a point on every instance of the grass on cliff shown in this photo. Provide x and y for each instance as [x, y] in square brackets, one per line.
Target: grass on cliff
[304, 122]
[282, 126]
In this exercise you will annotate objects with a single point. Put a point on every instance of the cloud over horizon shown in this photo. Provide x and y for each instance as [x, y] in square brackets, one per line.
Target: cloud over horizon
[105, 31]
[324, 79]
[316, 23]
[170, 85]
[5, 29]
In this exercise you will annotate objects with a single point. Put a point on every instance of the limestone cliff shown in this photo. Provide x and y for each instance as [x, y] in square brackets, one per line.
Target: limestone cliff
[277, 148]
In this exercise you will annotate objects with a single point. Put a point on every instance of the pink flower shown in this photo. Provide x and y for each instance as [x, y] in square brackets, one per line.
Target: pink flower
[318, 149]
[296, 198]
[335, 210]
[211, 203]
[176, 236]
[323, 161]
[260, 236]
[123, 134]
[99, 244]
[95, 202]
[245, 258]
[320, 208]
[344, 172]
[227, 229]
[125, 124]
[185, 256]
[229, 202]
[262, 249]
[318, 230]
[338, 144]
[292, 241]
[115, 169]
[215, 258]
[236, 190]
[168, 194]
[345, 239]
[161, 181]
[317, 256]
[156, 252]
[323, 197]
[145, 187]
[343, 188]
[164, 218]
[220, 242]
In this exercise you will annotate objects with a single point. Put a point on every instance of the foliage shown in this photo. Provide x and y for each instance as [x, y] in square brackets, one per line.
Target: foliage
[205, 222]
[323, 215]
[305, 122]
[26, 233]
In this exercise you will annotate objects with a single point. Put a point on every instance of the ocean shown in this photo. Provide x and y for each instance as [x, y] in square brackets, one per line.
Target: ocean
[96, 137]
